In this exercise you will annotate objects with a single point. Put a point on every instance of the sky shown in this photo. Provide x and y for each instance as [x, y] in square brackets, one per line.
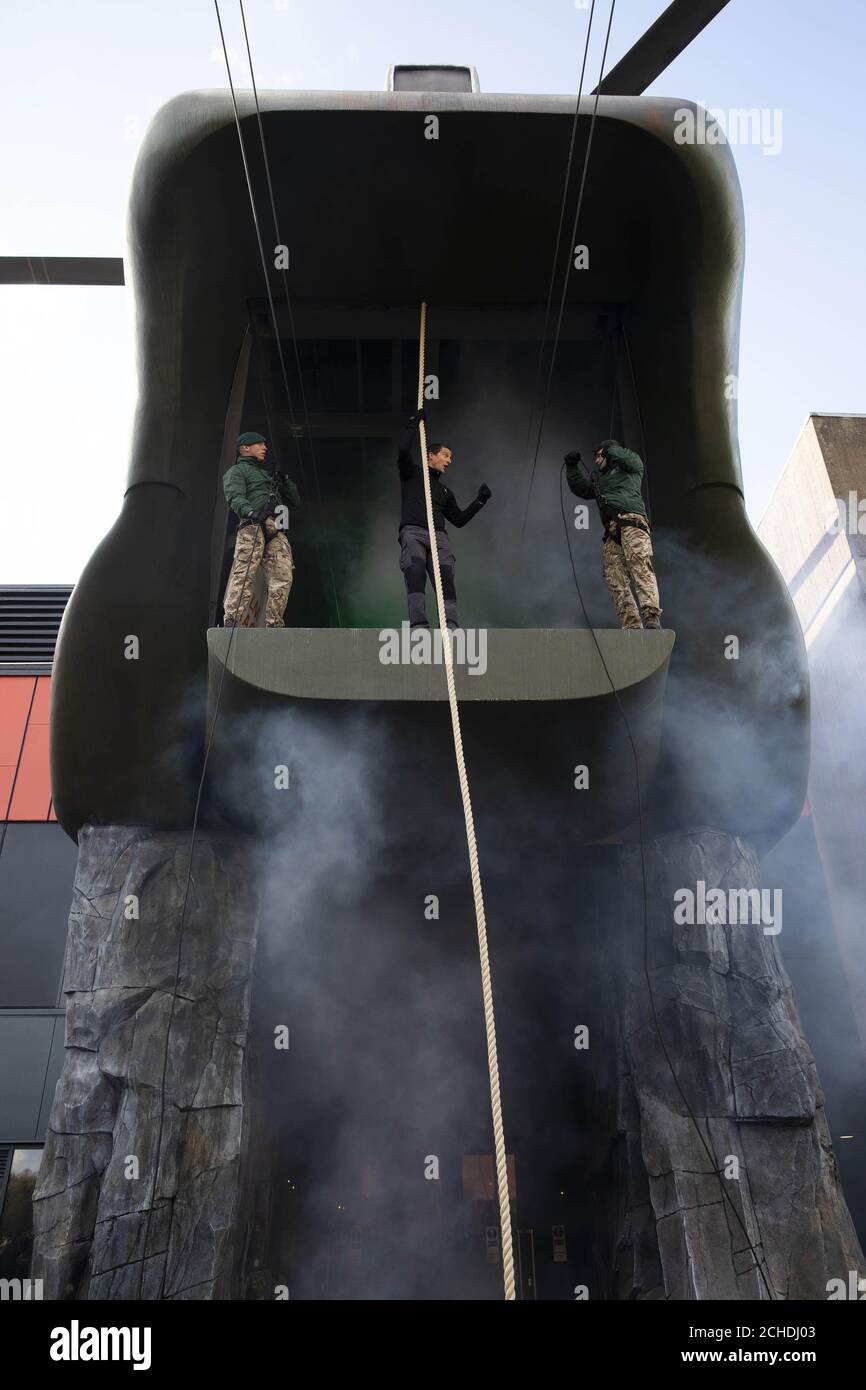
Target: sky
[81, 82]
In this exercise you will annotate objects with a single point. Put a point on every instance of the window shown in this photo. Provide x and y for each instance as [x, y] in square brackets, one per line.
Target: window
[21, 1167]
[37, 872]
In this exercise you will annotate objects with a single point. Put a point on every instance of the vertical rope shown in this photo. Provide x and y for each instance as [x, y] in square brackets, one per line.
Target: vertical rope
[486, 986]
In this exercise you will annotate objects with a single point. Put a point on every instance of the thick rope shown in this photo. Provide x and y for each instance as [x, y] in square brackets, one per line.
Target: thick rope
[486, 986]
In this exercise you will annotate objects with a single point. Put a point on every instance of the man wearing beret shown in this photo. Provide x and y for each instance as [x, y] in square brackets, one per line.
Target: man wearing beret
[261, 498]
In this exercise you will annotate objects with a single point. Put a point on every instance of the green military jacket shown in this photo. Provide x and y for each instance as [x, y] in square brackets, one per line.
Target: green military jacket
[618, 487]
[248, 485]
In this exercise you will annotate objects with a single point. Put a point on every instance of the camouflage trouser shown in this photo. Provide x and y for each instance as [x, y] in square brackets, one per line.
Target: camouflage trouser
[631, 564]
[275, 558]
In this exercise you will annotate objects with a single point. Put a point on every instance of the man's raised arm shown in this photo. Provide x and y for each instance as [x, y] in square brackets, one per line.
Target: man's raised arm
[405, 463]
[459, 516]
[578, 483]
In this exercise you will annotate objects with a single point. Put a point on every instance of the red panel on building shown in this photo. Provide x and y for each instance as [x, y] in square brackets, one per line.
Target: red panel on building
[39, 713]
[16, 693]
[24, 746]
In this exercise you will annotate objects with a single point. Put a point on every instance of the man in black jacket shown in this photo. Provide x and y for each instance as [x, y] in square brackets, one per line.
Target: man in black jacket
[416, 558]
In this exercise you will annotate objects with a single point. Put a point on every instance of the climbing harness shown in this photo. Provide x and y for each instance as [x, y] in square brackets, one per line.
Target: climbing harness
[615, 525]
[486, 986]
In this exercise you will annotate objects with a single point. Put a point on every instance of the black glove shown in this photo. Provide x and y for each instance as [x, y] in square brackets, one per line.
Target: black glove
[484, 494]
[572, 459]
[257, 514]
[419, 415]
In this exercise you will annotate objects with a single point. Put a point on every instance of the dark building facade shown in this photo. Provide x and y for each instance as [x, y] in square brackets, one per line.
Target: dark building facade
[37, 869]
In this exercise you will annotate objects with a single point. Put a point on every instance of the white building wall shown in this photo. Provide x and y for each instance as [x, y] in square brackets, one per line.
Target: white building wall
[824, 566]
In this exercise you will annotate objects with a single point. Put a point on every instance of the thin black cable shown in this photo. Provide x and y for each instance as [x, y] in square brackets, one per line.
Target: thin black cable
[710, 1154]
[263, 259]
[210, 738]
[614, 395]
[636, 400]
[214, 603]
[612, 683]
[262, 366]
[566, 277]
[280, 242]
[181, 929]
[562, 207]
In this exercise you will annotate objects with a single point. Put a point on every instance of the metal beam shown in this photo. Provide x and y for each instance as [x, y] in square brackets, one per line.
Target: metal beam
[664, 41]
[61, 270]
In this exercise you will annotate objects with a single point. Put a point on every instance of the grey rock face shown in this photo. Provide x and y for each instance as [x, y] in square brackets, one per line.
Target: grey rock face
[107, 1225]
[720, 1039]
[723, 1017]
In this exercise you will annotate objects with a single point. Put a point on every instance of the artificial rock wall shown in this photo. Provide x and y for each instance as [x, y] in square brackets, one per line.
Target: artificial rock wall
[729, 1024]
[723, 1004]
[103, 1227]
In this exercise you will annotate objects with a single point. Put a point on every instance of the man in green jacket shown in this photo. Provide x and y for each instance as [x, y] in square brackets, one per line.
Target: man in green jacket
[262, 499]
[627, 548]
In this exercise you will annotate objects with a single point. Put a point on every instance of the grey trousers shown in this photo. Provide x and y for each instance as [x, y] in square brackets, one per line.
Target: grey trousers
[416, 562]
